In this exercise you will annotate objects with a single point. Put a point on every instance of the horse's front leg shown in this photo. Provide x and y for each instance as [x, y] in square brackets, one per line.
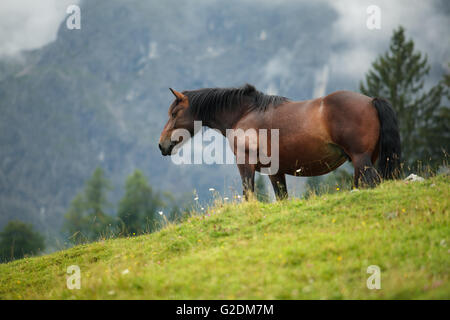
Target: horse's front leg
[248, 179]
[279, 186]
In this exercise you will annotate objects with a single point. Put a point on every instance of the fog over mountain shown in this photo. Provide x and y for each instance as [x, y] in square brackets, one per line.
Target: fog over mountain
[72, 100]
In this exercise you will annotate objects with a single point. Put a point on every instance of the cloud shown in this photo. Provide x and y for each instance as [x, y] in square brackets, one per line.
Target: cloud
[355, 47]
[320, 82]
[29, 24]
[279, 65]
[424, 22]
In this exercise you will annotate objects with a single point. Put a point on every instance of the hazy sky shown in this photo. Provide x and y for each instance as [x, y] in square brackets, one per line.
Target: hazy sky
[423, 20]
[30, 24]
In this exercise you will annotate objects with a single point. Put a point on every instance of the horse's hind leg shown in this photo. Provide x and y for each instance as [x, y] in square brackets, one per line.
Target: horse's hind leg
[365, 172]
[279, 186]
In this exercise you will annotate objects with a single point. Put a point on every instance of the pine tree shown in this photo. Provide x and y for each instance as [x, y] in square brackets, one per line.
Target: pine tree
[399, 76]
[174, 208]
[19, 239]
[261, 189]
[96, 202]
[75, 220]
[86, 219]
[439, 135]
[138, 206]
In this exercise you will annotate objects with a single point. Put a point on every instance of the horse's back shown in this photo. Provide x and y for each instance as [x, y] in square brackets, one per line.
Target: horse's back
[344, 98]
[352, 121]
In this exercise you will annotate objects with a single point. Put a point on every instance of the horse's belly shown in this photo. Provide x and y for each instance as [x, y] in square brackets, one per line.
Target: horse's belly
[311, 161]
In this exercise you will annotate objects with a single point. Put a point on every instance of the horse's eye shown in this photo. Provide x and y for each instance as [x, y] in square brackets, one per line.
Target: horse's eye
[174, 115]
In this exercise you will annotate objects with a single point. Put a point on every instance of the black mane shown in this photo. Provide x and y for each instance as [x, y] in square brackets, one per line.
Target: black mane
[205, 103]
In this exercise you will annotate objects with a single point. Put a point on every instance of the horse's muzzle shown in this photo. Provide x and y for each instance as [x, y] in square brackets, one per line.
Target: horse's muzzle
[167, 150]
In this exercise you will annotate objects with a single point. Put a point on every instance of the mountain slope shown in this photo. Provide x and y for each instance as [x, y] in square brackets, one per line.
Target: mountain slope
[319, 248]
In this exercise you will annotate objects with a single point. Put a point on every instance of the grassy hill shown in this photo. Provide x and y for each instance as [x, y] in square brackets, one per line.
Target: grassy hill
[318, 248]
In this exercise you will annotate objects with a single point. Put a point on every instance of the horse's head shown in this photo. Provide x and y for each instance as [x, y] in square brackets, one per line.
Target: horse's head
[180, 117]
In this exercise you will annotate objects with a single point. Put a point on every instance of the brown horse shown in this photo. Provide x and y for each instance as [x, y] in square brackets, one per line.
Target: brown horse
[315, 136]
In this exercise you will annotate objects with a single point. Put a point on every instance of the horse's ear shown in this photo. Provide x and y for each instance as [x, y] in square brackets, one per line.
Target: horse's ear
[177, 94]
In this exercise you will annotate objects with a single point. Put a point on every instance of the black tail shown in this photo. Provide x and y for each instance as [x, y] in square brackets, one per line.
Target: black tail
[390, 149]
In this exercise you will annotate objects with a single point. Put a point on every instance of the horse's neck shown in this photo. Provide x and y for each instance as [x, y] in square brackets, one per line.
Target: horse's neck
[225, 120]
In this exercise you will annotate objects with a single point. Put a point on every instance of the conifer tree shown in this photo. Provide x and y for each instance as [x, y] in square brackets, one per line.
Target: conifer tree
[399, 75]
[96, 203]
[19, 239]
[86, 219]
[137, 208]
[261, 189]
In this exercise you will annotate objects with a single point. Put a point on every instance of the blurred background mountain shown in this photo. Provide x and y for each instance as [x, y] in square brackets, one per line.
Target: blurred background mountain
[98, 96]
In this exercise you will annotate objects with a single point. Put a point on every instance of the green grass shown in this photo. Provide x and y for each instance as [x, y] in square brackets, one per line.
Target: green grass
[318, 248]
